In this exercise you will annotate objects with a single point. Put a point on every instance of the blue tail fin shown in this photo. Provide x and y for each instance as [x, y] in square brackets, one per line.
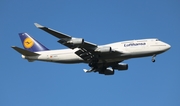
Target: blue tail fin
[31, 44]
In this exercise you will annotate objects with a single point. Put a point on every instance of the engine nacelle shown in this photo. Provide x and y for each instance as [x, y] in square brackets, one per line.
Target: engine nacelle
[72, 43]
[109, 71]
[121, 66]
[76, 41]
[105, 49]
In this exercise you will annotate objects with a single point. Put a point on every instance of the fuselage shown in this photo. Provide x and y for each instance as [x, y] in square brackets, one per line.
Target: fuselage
[122, 51]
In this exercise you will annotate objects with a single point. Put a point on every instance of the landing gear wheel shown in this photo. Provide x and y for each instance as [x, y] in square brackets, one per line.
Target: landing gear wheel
[92, 64]
[153, 58]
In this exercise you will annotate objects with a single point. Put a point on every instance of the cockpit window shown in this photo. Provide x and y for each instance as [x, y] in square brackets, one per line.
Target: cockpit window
[157, 39]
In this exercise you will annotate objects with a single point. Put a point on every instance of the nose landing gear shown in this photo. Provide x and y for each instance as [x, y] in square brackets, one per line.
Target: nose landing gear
[153, 58]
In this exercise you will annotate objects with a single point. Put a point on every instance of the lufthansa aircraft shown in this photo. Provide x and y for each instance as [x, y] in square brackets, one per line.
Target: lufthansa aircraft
[103, 59]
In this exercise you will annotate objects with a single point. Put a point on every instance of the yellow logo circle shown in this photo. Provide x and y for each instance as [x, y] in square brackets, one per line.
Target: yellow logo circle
[28, 43]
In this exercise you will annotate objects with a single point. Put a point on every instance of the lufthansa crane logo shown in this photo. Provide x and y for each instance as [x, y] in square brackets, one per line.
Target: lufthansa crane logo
[28, 43]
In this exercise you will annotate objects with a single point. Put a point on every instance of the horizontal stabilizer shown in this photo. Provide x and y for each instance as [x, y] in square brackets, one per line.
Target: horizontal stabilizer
[24, 52]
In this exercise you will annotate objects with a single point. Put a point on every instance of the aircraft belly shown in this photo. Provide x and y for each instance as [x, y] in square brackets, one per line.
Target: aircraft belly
[113, 57]
[61, 58]
[69, 58]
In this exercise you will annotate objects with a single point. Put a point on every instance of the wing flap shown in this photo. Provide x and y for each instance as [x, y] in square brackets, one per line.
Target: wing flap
[85, 54]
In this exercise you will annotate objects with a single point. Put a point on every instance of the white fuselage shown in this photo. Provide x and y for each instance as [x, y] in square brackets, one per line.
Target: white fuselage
[123, 50]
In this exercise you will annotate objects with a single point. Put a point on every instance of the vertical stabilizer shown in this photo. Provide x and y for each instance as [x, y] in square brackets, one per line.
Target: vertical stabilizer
[31, 44]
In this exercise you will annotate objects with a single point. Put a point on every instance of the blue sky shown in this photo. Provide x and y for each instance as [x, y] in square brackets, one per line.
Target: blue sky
[104, 21]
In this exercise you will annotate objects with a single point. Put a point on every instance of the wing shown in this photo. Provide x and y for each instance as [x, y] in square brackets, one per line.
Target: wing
[86, 49]
[67, 40]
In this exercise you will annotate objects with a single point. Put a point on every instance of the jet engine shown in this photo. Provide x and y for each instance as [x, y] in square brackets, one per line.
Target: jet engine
[105, 49]
[76, 41]
[109, 71]
[73, 42]
[120, 66]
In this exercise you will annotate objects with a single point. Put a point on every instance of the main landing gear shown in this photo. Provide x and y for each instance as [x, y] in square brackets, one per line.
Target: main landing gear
[94, 62]
[153, 58]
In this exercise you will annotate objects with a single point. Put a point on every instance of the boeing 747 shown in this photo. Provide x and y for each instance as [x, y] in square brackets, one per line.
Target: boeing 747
[103, 59]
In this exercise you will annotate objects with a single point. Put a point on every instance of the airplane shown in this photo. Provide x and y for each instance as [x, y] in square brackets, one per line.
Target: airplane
[104, 59]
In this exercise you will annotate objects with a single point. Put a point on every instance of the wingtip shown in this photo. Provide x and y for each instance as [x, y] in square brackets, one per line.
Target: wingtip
[38, 25]
[13, 46]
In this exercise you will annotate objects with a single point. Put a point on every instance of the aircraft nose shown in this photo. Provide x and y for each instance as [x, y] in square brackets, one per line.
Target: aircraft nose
[168, 46]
